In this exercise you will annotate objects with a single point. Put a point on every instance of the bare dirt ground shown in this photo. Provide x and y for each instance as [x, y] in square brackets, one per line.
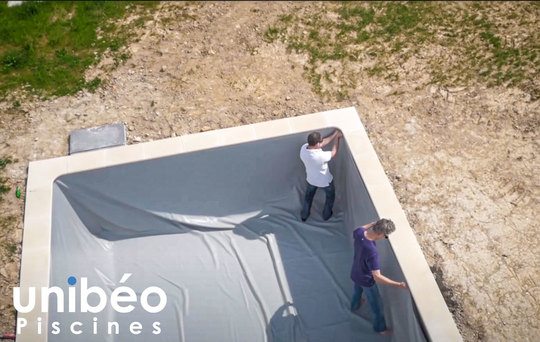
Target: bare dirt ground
[463, 161]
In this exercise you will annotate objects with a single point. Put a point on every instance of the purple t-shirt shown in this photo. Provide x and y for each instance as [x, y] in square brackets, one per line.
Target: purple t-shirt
[366, 259]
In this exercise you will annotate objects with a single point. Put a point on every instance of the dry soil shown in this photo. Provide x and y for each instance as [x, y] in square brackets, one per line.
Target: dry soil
[462, 160]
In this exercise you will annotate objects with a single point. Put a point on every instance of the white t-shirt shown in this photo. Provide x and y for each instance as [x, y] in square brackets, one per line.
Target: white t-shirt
[316, 163]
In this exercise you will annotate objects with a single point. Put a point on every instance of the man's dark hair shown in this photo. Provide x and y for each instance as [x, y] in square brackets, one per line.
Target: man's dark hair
[314, 138]
[383, 226]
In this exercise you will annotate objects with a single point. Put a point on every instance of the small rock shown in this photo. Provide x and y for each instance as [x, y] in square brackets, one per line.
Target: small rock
[163, 68]
[146, 135]
[410, 126]
[443, 93]
[12, 269]
[68, 117]
[173, 134]
[287, 98]
[17, 235]
[3, 272]
[456, 89]
[205, 128]
[137, 139]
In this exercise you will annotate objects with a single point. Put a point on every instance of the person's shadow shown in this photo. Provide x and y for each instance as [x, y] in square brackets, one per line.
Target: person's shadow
[286, 326]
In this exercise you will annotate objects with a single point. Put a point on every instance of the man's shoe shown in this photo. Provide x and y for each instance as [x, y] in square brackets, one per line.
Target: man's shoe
[304, 219]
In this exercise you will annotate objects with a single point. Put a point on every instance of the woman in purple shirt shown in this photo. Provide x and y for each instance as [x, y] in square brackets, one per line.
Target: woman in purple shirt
[366, 271]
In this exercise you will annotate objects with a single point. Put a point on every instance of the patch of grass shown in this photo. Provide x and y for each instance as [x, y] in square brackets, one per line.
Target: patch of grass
[8, 248]
[4, 161]
[400, 18]
[360, 27]
[287, 18]
[11, 248]
[271, 34]
[3, 182]
[472, 39]
[93, 84]
[491, 39]
[120, 59]
[376, 70]
[49, 45]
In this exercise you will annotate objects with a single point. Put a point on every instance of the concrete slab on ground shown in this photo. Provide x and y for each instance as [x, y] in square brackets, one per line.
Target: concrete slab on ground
[94, 138]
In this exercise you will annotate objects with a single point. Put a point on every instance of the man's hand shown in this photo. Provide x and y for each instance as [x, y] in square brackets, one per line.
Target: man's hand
[331, 137]
[379, 278]
[335, 148]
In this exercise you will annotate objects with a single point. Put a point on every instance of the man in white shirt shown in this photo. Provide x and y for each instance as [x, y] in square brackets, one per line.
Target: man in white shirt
[317, 172]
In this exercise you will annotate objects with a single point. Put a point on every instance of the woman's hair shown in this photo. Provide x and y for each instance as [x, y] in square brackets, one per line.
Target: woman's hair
[383, 226]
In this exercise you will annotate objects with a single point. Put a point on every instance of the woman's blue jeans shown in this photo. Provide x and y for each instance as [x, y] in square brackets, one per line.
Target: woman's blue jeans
[375, 302]
[328, 205]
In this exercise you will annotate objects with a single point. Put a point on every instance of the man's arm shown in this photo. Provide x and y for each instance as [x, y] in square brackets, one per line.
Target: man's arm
[380, 279]
[328, 139]
[369, 225]
[335, 148]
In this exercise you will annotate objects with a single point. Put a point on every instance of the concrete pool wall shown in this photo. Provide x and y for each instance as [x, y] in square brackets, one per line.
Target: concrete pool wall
[360, 165]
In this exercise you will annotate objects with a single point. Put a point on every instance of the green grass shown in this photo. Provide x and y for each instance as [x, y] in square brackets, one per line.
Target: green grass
[3, 182]
[47, 46]
[11, 248]
[390, 33]
[6, 222]
[8, 247]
